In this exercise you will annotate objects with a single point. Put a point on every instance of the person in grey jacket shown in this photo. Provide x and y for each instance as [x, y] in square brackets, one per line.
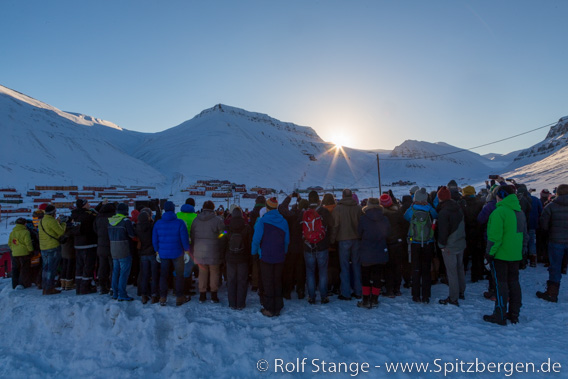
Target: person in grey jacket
[554, 221]
[452, 242]
[206, 236]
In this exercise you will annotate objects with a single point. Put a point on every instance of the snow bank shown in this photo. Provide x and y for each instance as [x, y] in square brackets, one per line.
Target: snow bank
[93, 336]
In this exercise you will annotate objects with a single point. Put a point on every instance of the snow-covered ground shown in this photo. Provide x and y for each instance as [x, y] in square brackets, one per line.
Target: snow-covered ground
[68, 336]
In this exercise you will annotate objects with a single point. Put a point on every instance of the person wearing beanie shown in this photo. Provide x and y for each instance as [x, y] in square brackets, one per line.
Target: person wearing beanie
[385, 200]
[254, 265]
[237, 253]
[120, 233]
[103, 247]
[20, 243]
[506, 240]
[474, 251]
[188, 215]
[452, 243]
[316, 221]
[149, 268]
[346, 217]
[294, 270]
[85, 239]
[206, 232]
[468, 191]
[545, 197]
[50, 230]
[554, 222]
[396, 239]
[421, 217]
[171, 244]
[373, 230]
[454, 190]
[270, 242]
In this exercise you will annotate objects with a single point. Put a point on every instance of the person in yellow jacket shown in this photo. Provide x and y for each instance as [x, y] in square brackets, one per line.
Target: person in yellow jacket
[20, 242]
[50, 230]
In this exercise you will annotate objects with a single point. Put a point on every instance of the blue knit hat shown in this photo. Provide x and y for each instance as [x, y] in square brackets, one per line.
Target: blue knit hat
[169, 206]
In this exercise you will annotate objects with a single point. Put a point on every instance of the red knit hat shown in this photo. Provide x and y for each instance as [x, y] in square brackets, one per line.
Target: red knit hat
[385, 200]
[272, 203]
[42, 206]
[444, 194]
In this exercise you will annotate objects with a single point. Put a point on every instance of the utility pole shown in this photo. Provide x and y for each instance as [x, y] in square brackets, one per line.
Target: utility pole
[379, 170]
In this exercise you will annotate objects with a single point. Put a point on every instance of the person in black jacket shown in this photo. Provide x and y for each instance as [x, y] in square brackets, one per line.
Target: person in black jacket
[149, 267]
[103, 246]
[373, 230]
[396, 245]
[237, 253]
[294, 272]
[471, 207]
[83, 218]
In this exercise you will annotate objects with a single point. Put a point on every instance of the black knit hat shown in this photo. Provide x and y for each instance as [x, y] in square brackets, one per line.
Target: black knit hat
[50, 209]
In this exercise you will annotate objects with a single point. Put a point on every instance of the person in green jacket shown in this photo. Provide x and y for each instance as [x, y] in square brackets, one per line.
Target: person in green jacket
[20, 242]
[50, 230]
[507, 237]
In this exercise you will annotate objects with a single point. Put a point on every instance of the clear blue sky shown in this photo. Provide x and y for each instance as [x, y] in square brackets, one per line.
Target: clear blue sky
[373, 73]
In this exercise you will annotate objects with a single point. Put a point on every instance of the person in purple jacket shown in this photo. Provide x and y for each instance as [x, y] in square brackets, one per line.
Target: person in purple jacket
[171, 243]
[270, 241]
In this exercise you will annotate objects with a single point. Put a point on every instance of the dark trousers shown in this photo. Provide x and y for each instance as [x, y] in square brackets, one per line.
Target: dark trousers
[165, 270]
[333, 268]
[507, 289]
[421, 265]
[21, 271]
[476, 252]
[271, 276]
[393, 269]
[68, 268]
[85, 264]
[237, 274]
[371, 276]
[149, 278]
[294, 272]
[105, 268]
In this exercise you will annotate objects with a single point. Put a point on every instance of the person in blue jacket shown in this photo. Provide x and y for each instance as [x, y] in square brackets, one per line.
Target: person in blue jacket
[171, 243]
[422, 247]
[270, 241]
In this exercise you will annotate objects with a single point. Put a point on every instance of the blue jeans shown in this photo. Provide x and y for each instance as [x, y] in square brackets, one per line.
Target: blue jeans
[165, 270]
[149, 269]
[320, 258]
[51, 260]
[556, 253]
[349, 257]
[120, 272]
[532, 242]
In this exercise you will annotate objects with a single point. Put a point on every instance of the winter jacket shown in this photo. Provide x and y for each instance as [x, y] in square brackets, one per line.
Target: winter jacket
[20, 241]
[207, 231]
[554, 220]
[144, 228]
[120, 232]
[451, 227]
[238, 225]
[327, 221]
[428, 208]
[536, 211]
[294, 218]
[506, 230]
[373, 229]
[398, 225]
[471, 207]
[49, 225]
[101, 229]
[169, 237]
[83, 230]
[68, 248]
[187, 214]
[271, 237]
[346, 220]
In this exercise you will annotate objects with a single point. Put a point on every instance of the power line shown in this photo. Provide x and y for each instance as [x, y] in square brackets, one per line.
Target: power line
[471, 148]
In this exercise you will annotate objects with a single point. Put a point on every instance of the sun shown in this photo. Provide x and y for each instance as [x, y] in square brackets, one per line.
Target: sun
[339, 140]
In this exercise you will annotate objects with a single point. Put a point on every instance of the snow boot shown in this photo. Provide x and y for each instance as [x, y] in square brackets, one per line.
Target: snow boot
[180, 300]
[64, 284]
[374, 299]
[155, 299]
[532, 260]
[449, 301]
[495, 319]
[163, 301]
[514, 318]
[214, 298]
[365, 303]
[78, 284]
[145, 299]
[202, 297]
[87, 288]
[551, 293]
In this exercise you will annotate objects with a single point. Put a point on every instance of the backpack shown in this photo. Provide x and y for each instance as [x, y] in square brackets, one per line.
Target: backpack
[312, 226]
[421, 229]
[236, 244]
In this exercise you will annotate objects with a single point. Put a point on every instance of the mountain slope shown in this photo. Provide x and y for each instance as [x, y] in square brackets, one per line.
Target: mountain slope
[43, 145]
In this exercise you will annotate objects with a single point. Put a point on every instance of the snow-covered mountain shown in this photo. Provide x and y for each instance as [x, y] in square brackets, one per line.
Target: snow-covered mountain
[44, 145]
[41, 144]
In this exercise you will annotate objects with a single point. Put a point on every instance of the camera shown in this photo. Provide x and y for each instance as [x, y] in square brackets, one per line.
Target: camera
[494, 177]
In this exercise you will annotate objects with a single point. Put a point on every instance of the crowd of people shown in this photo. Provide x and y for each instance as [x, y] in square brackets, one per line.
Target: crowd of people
[346, 248]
